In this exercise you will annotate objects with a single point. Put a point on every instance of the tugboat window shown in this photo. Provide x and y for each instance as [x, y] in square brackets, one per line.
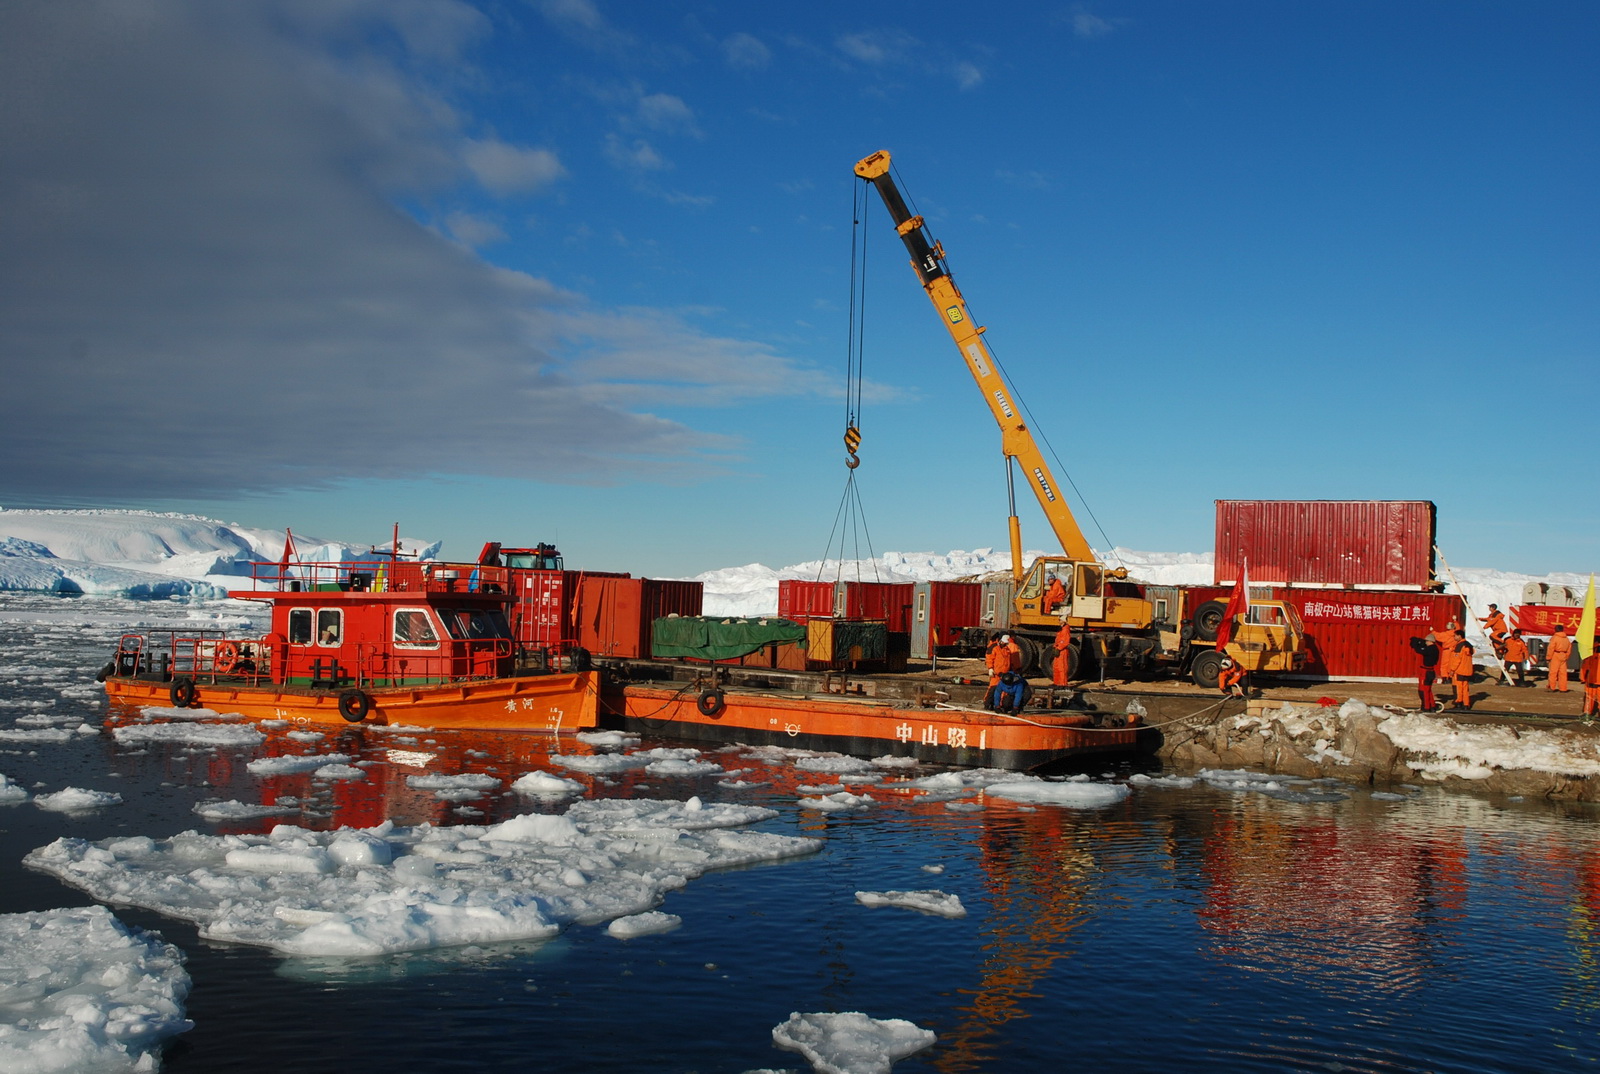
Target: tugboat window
[413, 627]
[330, 626]
[300, 626]
[474, 623]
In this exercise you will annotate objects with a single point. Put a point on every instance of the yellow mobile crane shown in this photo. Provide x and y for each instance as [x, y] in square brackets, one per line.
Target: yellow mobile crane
[1114, 617]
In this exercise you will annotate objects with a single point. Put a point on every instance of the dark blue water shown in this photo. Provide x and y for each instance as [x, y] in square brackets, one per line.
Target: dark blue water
[1182, 929]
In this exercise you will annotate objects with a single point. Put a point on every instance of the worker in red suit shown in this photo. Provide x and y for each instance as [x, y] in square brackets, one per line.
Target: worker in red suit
[1427, 670]
[1004, 655]
[1556, 655]
[1516, 658]
[1061, 667]
[1055, 595]
[1463, 674]
[1589, 675]
[1494, 623]
[1231, 678]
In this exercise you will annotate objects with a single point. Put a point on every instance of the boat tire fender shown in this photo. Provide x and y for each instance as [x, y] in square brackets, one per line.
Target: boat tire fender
[354, 705]
[711, 702]
[182, 693]
[106, 672]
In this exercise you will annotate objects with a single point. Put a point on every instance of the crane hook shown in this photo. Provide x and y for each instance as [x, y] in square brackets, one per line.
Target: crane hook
[852, 440]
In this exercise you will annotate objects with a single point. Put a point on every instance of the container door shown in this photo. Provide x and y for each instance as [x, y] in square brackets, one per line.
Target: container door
[921, 621]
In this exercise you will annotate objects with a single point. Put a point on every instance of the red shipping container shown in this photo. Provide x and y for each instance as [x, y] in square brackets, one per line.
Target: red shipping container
[939, 611]
[615, 615]
[1375, 544]
[889, 601]
[800, 600]
[1356, 635]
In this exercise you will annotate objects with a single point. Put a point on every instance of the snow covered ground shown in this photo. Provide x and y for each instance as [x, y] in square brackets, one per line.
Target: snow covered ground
[143, 554]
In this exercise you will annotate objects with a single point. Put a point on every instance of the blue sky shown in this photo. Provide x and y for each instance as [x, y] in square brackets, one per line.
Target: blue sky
[579, 271]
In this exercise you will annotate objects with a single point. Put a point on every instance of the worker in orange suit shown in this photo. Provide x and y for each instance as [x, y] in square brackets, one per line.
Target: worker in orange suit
[1516, 658]
[1556, 655]
[1004, 655]
[1446, 640]
[1494, 623]
[1055, 595]
[1061, 667]
[1463, 674]
[1589, 675]
[1230, 678]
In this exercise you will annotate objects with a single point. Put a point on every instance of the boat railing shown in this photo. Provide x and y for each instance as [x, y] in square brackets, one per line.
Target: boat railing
[378, 576]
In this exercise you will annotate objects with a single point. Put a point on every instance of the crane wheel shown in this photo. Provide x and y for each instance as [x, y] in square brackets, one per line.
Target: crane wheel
[1206, 669]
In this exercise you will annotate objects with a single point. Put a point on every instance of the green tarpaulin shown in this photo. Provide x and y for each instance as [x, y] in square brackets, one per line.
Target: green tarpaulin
[719, 639]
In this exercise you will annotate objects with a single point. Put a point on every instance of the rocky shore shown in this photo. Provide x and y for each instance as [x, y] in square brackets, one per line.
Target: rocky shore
[1376, 744]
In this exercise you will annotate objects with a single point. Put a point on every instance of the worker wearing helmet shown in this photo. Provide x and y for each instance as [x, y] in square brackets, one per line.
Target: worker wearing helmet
[1004, 655]
[1231, 678]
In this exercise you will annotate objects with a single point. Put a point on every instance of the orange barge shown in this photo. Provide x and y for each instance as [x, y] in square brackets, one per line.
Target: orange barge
[930, 732]
[379, 642]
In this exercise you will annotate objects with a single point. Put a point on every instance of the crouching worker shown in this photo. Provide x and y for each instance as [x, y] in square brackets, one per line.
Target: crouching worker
[1011, 694]
[1231, 678]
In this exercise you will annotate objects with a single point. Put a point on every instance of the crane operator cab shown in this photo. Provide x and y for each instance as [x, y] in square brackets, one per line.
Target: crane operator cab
[1082, 592]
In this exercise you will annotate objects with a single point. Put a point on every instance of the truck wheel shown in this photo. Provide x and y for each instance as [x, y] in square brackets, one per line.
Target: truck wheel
[1206, 669]
[1208, 620]
[1032, 650]
[1073, 659]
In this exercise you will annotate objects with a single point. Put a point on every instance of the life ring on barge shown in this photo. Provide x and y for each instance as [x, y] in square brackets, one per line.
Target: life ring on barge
[354, 705]
[225, 657]
[182, 693]
[711, 702]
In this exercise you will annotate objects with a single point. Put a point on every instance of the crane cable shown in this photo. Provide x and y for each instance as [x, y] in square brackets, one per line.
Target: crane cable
[850, 521]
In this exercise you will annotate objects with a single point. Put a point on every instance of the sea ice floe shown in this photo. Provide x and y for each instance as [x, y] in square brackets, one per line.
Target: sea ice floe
[291, 764]
[836, 803]
[626, 928]
[77, 800]
[158, 712]
[835, 763]
[670, 767]
[546, 785]
[79, 990]
[851, 1042]
[459, 788]
[929, 902]
[607, 740]
[599, 762]
[363, 892]
[11, 793]
[338, 771]
[1077, 793]
[235, 810]
[36, 736]
[194, 734]
[1288, 788]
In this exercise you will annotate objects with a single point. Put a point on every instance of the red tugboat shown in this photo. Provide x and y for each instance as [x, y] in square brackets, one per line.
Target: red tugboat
[381, 642]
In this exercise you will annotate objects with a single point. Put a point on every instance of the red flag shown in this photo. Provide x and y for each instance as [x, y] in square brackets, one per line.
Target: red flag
[1238, 604]
[288, 550]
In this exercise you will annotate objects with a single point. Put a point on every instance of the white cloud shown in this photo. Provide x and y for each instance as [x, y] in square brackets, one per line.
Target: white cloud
[666, 113]
[511, 169]
[637, 155]
[968, 75]
[1089, 25]
[473, 230]
[207, 290]
[746, 52]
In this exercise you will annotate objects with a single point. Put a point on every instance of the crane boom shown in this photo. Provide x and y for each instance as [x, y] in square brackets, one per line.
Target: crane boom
[1016, 441]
